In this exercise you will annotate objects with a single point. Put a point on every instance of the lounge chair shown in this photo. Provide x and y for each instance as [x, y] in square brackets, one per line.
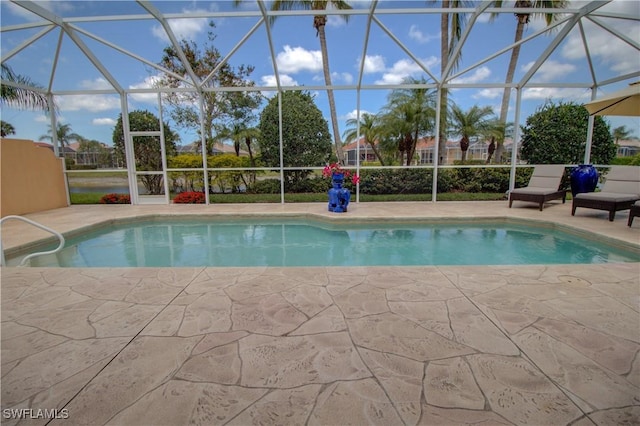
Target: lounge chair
[620, 191]
[543, 186]
[633, 212]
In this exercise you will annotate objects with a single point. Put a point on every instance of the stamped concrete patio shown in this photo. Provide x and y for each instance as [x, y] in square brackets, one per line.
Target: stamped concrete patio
[541, 344]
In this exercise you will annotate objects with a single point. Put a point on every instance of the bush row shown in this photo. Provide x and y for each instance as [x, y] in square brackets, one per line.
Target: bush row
[114, 198]
[408, 181]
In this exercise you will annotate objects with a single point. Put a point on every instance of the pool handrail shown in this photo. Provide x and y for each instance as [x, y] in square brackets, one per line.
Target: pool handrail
[38, 225]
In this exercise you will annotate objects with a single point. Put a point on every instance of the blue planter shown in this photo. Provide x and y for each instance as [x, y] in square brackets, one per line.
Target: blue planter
[339, 197]
[584, 178]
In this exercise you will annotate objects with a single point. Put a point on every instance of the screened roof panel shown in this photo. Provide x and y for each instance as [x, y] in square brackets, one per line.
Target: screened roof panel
[124, 41]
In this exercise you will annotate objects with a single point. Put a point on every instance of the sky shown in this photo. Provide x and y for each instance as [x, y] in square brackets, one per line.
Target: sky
[394, 44]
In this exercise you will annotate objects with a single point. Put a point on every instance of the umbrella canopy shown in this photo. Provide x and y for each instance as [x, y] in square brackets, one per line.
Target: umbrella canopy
[624, 102]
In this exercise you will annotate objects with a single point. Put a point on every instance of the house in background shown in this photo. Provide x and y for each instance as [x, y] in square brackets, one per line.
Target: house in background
[425, 150]
[100, 155]
[218, 148]
[67, 150]
[628, 148]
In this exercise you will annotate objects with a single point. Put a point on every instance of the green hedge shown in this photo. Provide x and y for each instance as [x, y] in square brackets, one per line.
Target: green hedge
[409, 181]
[82, 166]
[627, 161]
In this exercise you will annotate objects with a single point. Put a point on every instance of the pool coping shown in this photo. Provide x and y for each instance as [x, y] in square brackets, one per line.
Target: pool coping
[132, 214]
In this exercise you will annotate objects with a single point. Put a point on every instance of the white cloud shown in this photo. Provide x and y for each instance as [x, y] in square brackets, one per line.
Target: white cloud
[57, 7]
[405, 68]
[93, 103]
[417, 35]
[549, 70]
[103, 122]
[492, 93]
[336, 21]
[484, 18]
[270, 81]
[183, 28]
[372, 64]
[354, 114]
[97, 84]
[344, 76]
[605, 47]
[148, 83]
[45, 119]
[544, 93]
[336, 77]
[296, 59]
[477, 76]
[90, 102]
[285, 80]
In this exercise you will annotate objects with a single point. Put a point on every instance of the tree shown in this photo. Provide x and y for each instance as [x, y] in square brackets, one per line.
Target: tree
[306, 140]
[523, 19]
[319, 23]
[496, 131]
[621, 133]
[6, 129]
[25, 93]
[410, 114]
[64, 135]
[239, 134]
[451, 25]
[100, 154]
[557, 134]
[220, 108]
[370, 129]
[147, 151]
[468, 124]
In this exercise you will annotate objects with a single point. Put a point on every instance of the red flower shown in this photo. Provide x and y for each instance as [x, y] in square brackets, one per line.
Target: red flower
[115, 199]
[330, 169]
[190, 197]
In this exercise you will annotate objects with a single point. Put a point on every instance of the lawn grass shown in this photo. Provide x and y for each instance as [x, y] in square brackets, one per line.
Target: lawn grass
[86, 197]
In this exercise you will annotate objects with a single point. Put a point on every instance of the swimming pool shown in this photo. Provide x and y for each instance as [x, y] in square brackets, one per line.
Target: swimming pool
[298, 242]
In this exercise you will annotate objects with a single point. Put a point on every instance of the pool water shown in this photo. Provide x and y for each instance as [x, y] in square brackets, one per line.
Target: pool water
[299, 243]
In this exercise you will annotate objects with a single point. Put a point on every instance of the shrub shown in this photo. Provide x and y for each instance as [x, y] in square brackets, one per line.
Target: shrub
[266, 186]
[190, 197]
[627, 161]
[309, 185]
[82, 167]
[557, 134]
[395, 181]
[115, 199]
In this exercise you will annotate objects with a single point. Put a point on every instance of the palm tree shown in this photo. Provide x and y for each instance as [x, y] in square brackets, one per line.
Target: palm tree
[522, 20]
[319, 23]
[451, 26]
[468, 124]
[496, 131]
[370, 129]
[63, 135]
[621, 133]
[6, 129]
[21, 96]
[239, 133]
[411, 114]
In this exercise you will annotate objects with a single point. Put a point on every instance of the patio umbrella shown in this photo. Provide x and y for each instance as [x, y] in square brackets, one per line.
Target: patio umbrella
[624, 102]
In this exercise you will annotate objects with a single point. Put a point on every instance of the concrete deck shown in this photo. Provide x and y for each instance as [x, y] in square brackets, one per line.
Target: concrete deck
[542, 345]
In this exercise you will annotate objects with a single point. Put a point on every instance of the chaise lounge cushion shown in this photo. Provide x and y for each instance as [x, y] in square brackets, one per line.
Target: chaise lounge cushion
[608, 196]
[542, 187]
[620, 190]
[534, 190]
